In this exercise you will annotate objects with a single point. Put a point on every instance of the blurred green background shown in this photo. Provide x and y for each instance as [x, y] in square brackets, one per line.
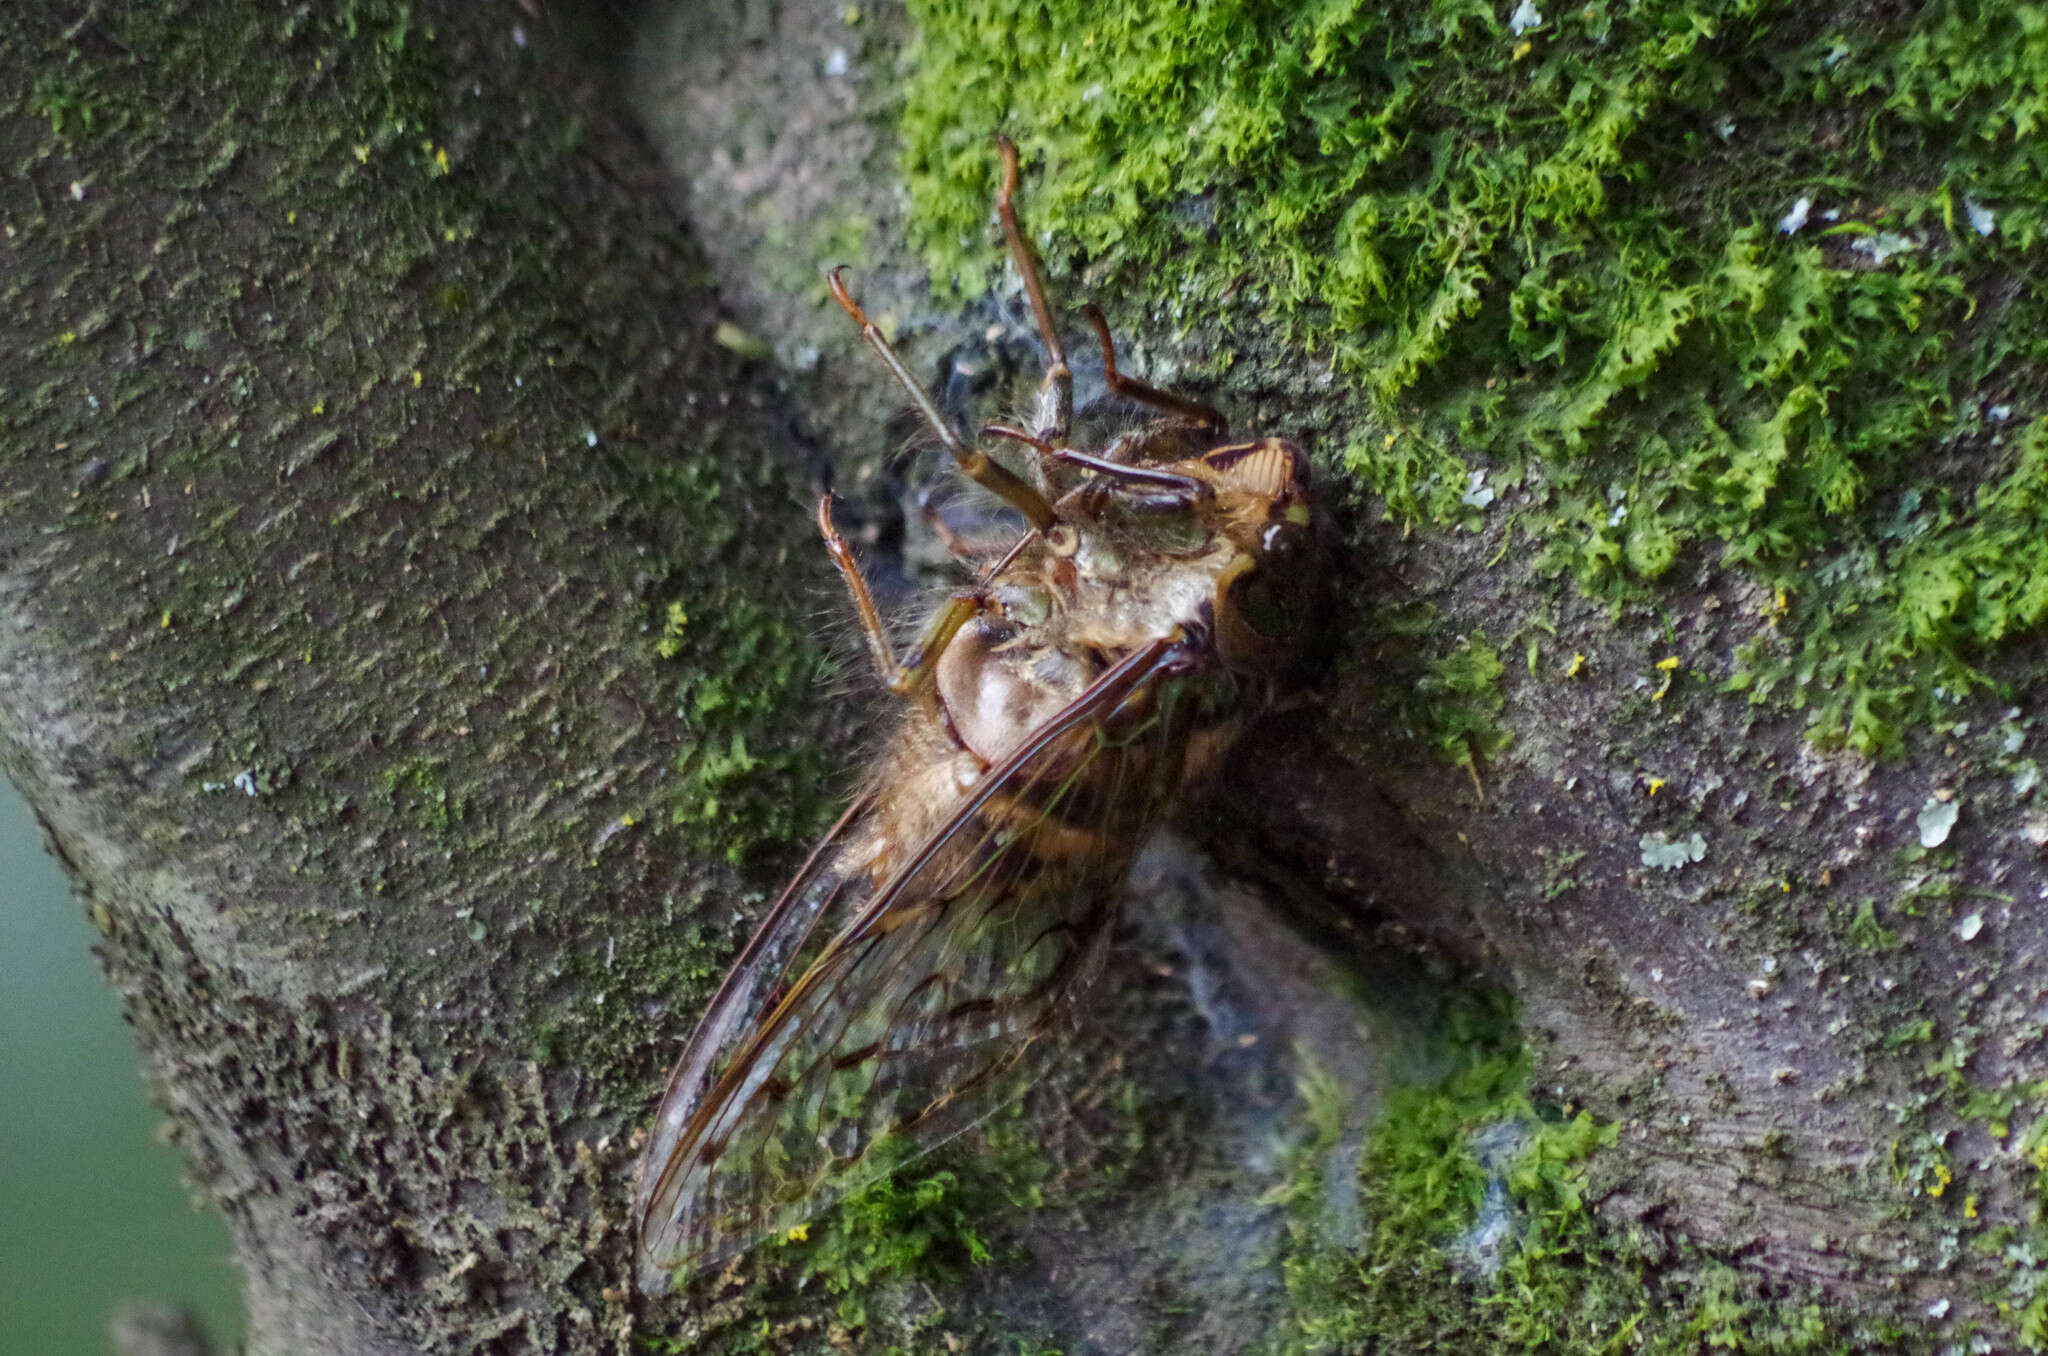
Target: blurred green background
[92, 1209]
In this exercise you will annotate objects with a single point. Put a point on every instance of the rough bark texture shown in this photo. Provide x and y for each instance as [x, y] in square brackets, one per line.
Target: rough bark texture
[363, 413]
[341, 493]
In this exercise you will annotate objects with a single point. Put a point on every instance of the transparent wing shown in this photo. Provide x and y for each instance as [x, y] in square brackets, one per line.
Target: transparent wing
[913, 1017]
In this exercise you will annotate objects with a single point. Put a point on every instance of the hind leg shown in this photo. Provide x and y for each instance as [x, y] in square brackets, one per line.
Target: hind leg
[904, 678]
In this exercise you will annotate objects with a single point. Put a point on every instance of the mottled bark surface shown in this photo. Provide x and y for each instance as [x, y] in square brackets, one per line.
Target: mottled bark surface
[364, 418]
[362, 414]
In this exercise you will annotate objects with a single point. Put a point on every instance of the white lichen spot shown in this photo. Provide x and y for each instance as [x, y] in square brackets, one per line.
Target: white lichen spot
[836, 63]
[1998, 414]
[590, 436]
[245, 782]
[1666, 855]
[1982, 219]
[1883, 245]
[1938, 1309]
[1937, 817]
[1525, 17]
[1968, 929]
[1790, 223]
[1478, 494]
[2026, 777]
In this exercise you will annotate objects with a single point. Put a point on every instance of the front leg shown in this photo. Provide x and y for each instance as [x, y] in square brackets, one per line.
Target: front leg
[1054, 417]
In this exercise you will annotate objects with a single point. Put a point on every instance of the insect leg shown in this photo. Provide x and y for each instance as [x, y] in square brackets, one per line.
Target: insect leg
[956, 546]
[1147, 487]
[1056, 392]
[1132, 389]
[1171, 483]
[913, 678]
[916, 676]
[974, 463]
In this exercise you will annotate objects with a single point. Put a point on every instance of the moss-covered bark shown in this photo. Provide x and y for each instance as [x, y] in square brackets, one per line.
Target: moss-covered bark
[363, 432]
[1700, 527]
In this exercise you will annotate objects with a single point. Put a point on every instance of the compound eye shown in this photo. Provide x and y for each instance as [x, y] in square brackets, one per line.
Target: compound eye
[1268, 592]
[1281, 543]
[1265, 602]
[1262, 614]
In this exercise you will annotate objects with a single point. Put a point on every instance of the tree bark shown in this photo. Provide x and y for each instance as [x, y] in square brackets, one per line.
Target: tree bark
[365, 414]
[374, 421]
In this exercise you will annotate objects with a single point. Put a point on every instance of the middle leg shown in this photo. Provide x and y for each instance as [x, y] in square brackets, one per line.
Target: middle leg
[972, 461]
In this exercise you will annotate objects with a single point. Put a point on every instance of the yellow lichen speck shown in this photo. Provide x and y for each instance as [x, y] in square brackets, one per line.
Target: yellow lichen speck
[1670, 667]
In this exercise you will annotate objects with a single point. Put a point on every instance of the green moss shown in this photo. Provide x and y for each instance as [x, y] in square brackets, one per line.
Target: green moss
[2014, 1113]
[1476, 1144]
[1866, 932]
[917, 1221]
[2028, 1296]
[415, 791]
[1464, 702]
[64, 101]
[1450, 695]
[884, 1251]
[1554, 256]
[645, 982]
[749, 777]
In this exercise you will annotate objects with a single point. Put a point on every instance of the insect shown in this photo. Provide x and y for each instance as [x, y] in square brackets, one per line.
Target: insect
[1095, 674]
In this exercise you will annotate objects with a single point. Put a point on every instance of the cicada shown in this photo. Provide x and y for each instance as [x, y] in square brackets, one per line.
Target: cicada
[1098, 671]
